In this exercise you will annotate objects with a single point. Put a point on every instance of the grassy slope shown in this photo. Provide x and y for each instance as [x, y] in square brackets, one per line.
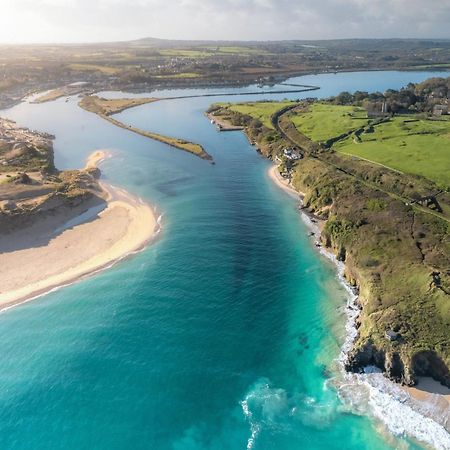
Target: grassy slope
[322, 122]
[420, 147]
[390, 251]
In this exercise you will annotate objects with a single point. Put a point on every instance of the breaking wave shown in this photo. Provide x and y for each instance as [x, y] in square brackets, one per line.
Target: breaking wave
[267, 408]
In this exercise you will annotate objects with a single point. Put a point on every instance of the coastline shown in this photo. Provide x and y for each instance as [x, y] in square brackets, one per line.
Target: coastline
[221, 124]
[364, 427]
[426, 388]
[50, 254]
[284, 184]
[422, 412]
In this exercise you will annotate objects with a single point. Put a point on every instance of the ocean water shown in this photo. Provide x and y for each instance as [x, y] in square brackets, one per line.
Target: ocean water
[224, 334]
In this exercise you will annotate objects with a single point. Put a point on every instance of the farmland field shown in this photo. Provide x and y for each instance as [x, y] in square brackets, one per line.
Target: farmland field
[108, 70]
[186, 53]
[416, 146]
[324, 121]
[262, 111]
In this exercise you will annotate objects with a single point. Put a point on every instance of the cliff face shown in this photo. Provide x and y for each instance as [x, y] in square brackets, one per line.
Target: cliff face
[399, 258]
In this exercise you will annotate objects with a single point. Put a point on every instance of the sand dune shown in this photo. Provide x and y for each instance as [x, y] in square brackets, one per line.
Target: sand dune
[54, 252]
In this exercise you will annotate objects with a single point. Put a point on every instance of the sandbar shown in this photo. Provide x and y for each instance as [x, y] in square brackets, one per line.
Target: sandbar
[47, 254]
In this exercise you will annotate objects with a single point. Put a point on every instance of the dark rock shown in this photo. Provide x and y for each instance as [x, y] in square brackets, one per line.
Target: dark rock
[428, 363]
[392, 335]
[9, 205]
[95, 172]
[23, 178]
[364, 356]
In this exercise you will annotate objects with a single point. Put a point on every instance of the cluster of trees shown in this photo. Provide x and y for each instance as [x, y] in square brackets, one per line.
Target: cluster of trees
[419, 97]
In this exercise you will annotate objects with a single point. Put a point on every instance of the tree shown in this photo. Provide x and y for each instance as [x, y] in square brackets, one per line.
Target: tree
[344, 98]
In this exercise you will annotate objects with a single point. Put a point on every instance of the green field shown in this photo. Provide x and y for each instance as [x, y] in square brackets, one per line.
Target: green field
[262, 111]
[416, 146]
[238, 50]
[203, 52]
[322, 122]
[94, 68]
[179, 75]
[184, 53]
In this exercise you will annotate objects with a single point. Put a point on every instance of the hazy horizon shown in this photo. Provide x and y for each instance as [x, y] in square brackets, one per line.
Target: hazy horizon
[206, 40]
[83, 21]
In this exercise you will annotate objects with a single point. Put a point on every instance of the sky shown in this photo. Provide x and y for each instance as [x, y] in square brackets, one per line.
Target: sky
[58, 21]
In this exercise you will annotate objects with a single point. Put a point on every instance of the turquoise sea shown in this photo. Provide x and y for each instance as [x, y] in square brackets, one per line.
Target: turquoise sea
[222, 335]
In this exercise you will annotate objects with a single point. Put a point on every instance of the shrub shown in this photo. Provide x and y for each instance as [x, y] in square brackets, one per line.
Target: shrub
[375, 204]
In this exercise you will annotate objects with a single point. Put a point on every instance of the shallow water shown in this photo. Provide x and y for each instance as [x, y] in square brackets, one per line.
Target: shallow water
[222, 335]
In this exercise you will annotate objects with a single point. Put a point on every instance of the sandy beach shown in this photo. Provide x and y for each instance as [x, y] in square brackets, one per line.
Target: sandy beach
[96, 158]
[282, 182]
[426, 388]
[59, 250]
[223, 125]
[431, 399]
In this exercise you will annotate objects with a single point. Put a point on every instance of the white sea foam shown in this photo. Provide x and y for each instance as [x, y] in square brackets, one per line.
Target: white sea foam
[273, 409]
[384, 400]
[159, 222]
[373, 394]
[264, 406]
[254, 427]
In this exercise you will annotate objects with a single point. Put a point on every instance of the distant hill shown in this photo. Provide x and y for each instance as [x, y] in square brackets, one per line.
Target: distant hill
[350, 44]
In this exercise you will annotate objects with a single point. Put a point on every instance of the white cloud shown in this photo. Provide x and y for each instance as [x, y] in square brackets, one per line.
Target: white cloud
[105, 20]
